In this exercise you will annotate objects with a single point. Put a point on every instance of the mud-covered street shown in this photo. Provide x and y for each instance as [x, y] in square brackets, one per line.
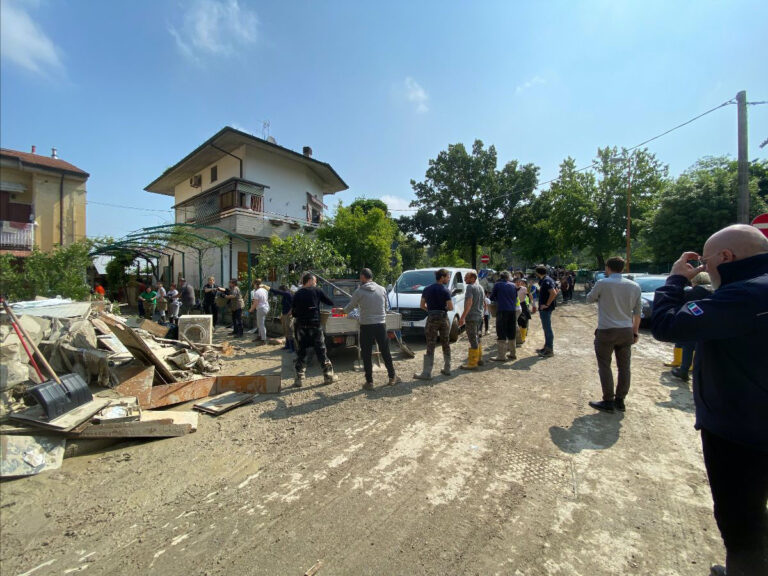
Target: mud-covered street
[505, 470]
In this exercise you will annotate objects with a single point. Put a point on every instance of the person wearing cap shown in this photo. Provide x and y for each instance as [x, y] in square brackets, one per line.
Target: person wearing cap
[472, 317]
[371, 299]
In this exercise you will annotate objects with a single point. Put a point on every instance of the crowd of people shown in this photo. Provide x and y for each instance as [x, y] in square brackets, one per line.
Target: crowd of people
[715, 304]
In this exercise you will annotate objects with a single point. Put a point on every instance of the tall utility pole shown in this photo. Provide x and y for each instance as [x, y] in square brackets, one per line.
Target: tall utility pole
[742, 205]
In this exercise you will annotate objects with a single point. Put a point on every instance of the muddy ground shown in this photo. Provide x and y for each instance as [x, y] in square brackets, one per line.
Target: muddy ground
[501, 471]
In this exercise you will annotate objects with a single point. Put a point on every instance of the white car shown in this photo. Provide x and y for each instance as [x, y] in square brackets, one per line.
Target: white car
[405, 298]
[648, 285]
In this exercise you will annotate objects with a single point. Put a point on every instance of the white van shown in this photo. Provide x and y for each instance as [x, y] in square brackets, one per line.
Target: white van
[405, 298]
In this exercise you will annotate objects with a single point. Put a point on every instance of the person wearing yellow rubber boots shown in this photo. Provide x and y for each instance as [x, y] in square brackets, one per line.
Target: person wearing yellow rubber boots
[472, 317]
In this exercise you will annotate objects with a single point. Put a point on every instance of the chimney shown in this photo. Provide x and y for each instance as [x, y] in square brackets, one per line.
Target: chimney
[53, 153]
[307, 151]
[34, 148]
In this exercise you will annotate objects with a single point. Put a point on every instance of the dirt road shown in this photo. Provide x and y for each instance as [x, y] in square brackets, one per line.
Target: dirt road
[501, 471]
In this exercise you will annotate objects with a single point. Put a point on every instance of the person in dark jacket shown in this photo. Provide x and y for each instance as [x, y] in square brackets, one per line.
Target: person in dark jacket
[209, 299]
[700, 289]
[730, 382]
[285, 316]
[187, 297]
[436, 302]
[309, 332]
[504, 293]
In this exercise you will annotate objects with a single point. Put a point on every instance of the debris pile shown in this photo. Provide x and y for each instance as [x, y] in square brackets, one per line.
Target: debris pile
[116, 374]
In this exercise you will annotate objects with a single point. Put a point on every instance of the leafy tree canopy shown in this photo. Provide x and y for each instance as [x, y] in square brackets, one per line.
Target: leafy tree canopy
[364, 238]
[697, 204]
[291, 257]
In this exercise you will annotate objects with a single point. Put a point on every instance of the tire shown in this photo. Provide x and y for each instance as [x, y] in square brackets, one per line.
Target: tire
[453, 335]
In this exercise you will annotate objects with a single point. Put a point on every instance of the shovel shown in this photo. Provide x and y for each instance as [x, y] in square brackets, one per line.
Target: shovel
[55, 396]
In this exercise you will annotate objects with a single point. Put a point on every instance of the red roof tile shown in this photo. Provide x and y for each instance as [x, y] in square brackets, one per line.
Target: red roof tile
[43, 161]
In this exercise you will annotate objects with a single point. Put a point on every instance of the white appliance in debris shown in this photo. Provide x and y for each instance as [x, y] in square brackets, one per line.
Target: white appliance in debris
[198, 328]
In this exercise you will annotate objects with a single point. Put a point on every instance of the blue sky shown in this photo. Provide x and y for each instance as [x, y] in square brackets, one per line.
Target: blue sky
[126, 89]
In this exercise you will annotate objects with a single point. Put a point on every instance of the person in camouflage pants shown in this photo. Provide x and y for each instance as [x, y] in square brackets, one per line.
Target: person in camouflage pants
[436, 301]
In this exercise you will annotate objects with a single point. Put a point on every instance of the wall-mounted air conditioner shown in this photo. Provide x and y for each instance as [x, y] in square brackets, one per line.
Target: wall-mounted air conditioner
[196, 181]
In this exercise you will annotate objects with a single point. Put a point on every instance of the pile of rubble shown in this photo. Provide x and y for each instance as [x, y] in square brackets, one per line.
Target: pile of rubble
[127, 368]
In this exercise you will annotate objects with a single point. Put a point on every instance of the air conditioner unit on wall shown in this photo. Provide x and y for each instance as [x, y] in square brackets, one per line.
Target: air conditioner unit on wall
[196, 181]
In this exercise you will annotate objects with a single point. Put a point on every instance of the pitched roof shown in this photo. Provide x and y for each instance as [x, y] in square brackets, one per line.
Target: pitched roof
[46, 162]
[226, 141]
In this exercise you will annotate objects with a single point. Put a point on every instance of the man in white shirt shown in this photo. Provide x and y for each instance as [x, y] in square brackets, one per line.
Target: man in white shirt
[619, 304]
[260, 304]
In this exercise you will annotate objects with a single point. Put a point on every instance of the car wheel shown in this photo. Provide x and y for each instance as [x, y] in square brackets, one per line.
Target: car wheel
[454, 333]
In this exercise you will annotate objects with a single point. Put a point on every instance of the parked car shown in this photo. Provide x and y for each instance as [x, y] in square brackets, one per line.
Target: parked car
[648, 285]
[405, 298]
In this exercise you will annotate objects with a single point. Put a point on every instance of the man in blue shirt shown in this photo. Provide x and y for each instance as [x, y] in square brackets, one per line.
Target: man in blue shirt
[547, 303]
[504, 293]
[730, 386]
[436, 300]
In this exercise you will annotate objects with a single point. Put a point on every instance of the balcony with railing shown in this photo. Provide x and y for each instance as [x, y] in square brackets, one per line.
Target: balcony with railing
[237, 205]
[17, 236]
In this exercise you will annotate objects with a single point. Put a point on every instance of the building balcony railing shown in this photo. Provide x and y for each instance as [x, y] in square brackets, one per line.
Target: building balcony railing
[238, 206]
[17, 235]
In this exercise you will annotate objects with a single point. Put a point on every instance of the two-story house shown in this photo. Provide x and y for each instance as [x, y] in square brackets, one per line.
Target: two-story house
[249, 187]
[42, 202]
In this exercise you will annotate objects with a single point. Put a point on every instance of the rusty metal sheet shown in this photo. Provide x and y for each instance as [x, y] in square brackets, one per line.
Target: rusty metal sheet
[256, 384]
[136, 380]
[170, 394]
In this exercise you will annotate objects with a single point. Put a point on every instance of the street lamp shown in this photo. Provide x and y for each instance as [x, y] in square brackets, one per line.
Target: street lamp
[628, 160]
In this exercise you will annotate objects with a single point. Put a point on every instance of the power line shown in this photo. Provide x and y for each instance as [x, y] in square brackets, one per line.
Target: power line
[728, 102]
[126, 207]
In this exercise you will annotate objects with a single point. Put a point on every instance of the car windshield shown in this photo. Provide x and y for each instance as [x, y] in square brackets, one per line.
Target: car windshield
[415, 281]
[650, 284]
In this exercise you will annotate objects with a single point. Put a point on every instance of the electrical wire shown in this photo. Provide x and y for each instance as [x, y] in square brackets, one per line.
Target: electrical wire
[126, 207]
[582, 169]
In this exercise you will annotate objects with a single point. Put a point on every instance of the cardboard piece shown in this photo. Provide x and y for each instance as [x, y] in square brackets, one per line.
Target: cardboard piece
[139, 349]
[224, 402]
[28, 455]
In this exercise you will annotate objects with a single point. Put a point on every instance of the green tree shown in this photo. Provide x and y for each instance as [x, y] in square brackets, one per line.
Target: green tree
[296, 254]
[368, 204]
[590, 209]
[538, 242]
[364, 238]
[458, 203]
[699, 202]
[61, 272]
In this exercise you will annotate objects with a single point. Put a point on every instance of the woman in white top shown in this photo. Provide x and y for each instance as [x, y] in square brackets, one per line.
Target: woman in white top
[260, 304]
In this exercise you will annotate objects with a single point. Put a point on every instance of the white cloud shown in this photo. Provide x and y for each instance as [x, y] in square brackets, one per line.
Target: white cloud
[396, 204]
[535, 81]
[214, 27]
[23, 42]
[416, 94]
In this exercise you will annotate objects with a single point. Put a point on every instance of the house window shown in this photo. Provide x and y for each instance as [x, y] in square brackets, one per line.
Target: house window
[227, 200]
[214, 173]
[314, 209]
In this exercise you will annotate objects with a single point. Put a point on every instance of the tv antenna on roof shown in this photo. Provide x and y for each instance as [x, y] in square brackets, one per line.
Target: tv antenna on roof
[265, 129]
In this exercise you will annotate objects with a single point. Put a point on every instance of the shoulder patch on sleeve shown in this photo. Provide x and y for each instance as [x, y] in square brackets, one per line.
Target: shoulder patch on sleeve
[695, 309]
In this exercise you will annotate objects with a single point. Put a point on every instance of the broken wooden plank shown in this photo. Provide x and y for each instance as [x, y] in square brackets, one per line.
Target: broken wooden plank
[35, 416]
[224, 402]
[154, 328]
[101, 328]
[28, 455]
[135, 380]
[180, 417]
[139, 348]
[314, 569]
[158, 429]
[111, 343]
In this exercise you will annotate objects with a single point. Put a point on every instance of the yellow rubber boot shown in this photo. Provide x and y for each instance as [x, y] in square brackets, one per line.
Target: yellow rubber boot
[472, 359]
[677, 358]
[524, 333]
[480, 354]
